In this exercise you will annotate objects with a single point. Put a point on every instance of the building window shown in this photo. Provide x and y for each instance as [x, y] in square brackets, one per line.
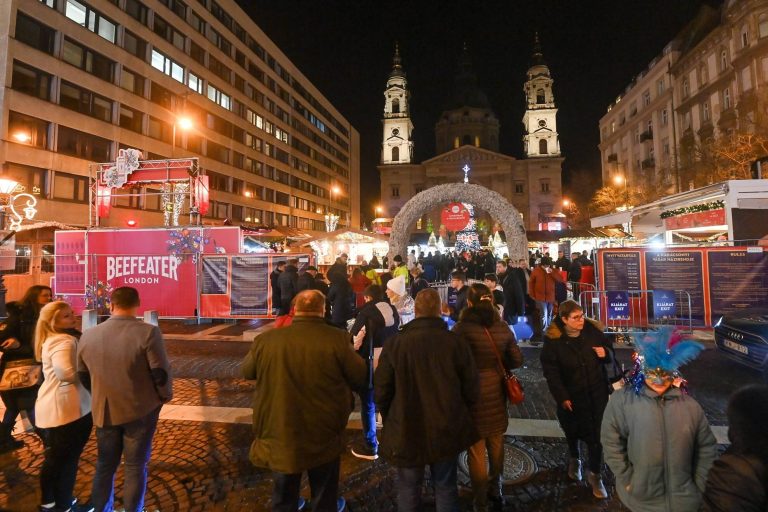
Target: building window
[762, 27]
[544, 186]
[396, 154]
[466, 140]
[726, 99]
[130, 119]
[178, 7]
[703, 75]
[660, 87]
[195, 82]
[28, 130]
[216, 96]
[136, 10]
[723, 60]
[220, 41]
[34, 34]
[219, 69]
[86, 17]
[167, 32]
[746, 79]
[744, 36]
[455, 142]
[395, 106]
[86, 102]
[687, 120]
[705, 111]
[519, 188]
[84, 145]
[197, 52]
[161, 96]
[686, 88]
[31, 81]
[49, 3]
[33, 180]
[395, 191]
[134, 45]
[131, 81]
[665, 145]
[647, 98]
[540, 97]
[167, 65]
[70, 187]
[542, 146]
[159, 130]
[217, 151]
[87, 60]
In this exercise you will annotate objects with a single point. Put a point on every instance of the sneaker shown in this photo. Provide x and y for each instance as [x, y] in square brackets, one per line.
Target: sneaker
[574, 469]
[341, 505]
[302, 504]
[365, 452]
[596, 482]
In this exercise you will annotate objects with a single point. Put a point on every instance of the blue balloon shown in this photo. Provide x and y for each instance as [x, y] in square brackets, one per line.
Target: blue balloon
[522, 330]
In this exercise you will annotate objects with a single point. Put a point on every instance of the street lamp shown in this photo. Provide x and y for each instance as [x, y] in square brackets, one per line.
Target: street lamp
[618, 180]
[185, 124]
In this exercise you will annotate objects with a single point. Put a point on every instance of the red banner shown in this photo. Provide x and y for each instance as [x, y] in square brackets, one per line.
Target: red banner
[162, 264]
[696, 220]
[455, 217]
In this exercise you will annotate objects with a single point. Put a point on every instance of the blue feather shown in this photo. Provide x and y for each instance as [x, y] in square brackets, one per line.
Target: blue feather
[654, 347]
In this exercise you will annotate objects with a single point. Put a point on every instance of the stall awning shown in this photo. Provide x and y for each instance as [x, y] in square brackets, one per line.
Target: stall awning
[611, 219]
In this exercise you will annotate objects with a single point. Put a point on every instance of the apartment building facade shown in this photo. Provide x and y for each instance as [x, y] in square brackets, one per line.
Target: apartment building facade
[80, 80]
[707, 83]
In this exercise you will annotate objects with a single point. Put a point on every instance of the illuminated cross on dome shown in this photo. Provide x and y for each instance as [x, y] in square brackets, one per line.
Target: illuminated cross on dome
[466, 170]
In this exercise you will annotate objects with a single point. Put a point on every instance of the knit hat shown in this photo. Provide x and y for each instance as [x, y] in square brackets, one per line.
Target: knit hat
[397, 285]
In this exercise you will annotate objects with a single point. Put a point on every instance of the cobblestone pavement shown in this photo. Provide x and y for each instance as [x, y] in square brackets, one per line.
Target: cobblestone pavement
[204, 466]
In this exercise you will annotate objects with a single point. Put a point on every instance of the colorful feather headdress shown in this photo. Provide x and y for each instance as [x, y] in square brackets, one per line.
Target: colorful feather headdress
[664, 351]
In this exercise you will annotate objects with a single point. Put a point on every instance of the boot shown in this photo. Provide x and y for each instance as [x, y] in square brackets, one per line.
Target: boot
[7, 442]
[574, 469]
[596, 482]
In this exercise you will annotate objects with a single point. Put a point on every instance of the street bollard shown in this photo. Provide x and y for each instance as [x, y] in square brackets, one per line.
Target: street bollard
[90, 319]
[150, 317]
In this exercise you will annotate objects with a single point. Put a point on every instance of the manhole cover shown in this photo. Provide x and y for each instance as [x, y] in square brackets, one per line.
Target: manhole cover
[519, 464]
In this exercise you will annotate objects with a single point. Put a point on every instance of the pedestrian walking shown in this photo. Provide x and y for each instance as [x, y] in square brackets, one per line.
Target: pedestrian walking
[62, 410]
[289, 285]
[304, 374]
[425, 385]
[17, 344]
[488, 335]
[274, 277]
[457, 295]
[359, 283]
[306, 280]
[514, 293]
[341, 299]
[738, 480]
[541, 288]
[398, 297]
[376, 322]
[573, 361]
[657, 440]
[123, 363]
[418, 282]
[574, 275]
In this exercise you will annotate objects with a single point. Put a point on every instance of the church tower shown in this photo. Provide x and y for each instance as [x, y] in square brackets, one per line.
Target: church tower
[397, 141]
[540, 119]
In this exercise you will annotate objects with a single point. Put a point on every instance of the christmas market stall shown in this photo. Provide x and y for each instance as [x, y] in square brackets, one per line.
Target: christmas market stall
[360, 246]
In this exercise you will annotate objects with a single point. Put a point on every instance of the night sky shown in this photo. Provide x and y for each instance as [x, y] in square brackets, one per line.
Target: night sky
[593, 50]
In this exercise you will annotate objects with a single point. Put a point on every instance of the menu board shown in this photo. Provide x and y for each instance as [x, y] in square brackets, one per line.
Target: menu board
[215, 275]
[677, 270]
[738, 279]
[621, 270]
[250, 281]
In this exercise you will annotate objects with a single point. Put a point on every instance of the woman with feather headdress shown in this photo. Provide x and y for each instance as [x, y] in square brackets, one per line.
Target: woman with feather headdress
[656, 439]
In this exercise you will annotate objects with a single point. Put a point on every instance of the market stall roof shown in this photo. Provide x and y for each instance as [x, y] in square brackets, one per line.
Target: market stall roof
[347, 235]
[47, 224]
[570, 234]
[262, 233]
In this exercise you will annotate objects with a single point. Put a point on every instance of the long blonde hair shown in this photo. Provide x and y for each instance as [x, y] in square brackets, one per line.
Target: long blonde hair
[45, 325]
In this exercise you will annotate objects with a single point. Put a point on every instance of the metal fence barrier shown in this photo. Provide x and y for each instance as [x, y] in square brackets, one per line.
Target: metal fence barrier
[638, 316]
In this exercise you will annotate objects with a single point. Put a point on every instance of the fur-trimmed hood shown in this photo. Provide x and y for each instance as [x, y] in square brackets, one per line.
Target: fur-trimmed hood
[556, 329]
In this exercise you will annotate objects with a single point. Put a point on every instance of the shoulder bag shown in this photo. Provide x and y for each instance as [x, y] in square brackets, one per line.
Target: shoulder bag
[20, 374]
[512, 386]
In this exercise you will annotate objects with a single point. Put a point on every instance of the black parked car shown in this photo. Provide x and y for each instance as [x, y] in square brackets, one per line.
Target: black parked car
[743, 337]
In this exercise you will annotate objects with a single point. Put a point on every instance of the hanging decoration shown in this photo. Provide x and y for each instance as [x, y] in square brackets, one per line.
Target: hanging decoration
[331, 221]
[29, 211]
[467, 239]
[127, 162]
[98, 297]
[184, 244]
[172, 199]
[704, 207]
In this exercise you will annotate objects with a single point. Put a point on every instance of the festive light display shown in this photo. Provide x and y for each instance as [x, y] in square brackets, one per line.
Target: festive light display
[705, 207]
[184, 244]
[467, 239]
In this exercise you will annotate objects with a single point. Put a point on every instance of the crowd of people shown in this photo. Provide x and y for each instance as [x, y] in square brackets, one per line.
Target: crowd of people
[115, 376]
[433, 369]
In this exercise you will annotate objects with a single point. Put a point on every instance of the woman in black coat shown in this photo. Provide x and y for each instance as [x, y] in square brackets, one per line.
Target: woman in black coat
[573, 360]
[17, 341]
[738, 479]
[341, 298]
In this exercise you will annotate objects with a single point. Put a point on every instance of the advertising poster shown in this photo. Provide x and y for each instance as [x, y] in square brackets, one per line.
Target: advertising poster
[70, 263]
[738, 279]
[250, 285]
[618, 306]
[621, 270]
[664, 306]
[678, 270]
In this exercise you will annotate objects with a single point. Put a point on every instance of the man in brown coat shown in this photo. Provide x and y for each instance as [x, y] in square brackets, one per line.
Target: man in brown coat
[541, 288]
[304, 377]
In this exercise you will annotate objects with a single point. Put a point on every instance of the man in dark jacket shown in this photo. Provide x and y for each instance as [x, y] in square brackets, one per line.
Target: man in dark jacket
[310, 367]
[425, 385]
[307, 279]
[339, 268]
[376, 322]
[273, 282]
[288, 283]
[457, 298]
[514, 296]
[574, 275]
[562, 262]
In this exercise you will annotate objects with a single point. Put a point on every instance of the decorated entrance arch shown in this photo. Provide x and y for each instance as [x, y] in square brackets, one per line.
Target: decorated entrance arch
[478, 196]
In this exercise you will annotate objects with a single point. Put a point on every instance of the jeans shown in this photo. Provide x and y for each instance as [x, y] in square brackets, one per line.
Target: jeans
[546, 312]
[134, 440]
[368, 417]
[444, 480]
[323, 484]
[63, 446]
[486, 478]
